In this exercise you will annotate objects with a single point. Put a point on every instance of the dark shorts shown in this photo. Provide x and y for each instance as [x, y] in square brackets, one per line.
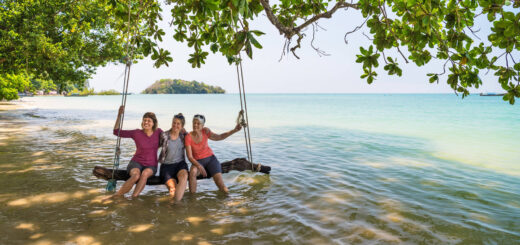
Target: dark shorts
[211, 165]
[170, 171]
[134, 164]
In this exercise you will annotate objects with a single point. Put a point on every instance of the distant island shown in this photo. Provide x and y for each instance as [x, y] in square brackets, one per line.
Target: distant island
[178, 86]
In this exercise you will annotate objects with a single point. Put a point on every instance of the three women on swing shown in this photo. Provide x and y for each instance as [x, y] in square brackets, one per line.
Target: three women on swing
[174, 143]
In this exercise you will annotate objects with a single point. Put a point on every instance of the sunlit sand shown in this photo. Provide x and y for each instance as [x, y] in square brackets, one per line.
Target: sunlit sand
[38, 153]
[49, 198]
[218, 231]
[36, 236]
[394, 217]
[26, 226]
[181, 237]
[140, 228]
[195, 220]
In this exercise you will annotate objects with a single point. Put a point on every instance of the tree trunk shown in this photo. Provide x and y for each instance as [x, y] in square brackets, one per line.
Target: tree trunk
[239, 164]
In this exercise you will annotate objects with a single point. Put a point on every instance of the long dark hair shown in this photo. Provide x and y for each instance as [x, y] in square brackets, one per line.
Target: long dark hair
[152, 116]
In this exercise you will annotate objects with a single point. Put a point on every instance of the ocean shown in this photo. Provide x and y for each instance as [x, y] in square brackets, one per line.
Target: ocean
[346, 169]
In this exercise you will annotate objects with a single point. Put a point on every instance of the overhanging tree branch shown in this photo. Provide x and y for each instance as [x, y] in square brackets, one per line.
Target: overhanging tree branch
[289, 32]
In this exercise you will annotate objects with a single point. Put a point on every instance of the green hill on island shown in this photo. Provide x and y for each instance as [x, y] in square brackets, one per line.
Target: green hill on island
[178, 86]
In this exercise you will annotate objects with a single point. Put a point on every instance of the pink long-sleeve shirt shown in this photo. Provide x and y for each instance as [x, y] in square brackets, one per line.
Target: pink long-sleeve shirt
[147, 146]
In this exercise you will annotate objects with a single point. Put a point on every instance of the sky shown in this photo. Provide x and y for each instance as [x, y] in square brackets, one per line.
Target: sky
[266, 73]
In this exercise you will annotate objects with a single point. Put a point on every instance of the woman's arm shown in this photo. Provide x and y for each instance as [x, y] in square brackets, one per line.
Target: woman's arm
[217, 137]
[194, 162]
[121, 109]
[117, 131]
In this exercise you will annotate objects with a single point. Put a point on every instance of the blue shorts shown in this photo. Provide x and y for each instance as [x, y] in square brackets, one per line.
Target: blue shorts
[134, 164]
[211, 165]
[170, 171]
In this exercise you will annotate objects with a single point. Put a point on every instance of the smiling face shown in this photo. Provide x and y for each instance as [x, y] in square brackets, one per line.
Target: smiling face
[147, 123]
[177, 125]
[197, 126]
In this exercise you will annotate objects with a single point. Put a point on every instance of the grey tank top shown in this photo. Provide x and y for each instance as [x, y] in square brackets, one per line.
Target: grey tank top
[175, 151]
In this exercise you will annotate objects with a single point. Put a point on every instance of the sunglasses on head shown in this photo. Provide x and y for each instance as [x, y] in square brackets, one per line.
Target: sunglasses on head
[179, 116]
[199, 116]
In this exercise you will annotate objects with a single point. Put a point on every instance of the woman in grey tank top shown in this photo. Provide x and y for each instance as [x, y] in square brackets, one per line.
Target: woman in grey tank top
[174, 169]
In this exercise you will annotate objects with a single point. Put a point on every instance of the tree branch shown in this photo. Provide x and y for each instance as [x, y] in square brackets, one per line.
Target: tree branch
[384, 57]
[315, 29]
[355, 29]
[510, 55]
[289, 32]
[371, 39]
[298, 42]
[383, 10]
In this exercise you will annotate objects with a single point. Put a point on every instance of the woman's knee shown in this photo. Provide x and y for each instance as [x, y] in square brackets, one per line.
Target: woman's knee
[182, 174]
[194, 172]
[146, 173]
[135, 174]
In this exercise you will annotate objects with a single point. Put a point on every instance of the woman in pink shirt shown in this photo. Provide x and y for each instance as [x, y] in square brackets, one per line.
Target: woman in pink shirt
[144, 162]
[201, 156]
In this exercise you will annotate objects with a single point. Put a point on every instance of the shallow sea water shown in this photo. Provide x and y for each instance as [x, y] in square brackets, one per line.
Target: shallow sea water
[346, 169]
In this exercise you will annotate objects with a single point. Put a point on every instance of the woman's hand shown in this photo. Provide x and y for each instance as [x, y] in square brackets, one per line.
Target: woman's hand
[237, 128]
[121, 110]
[202, 170]
[118, 119]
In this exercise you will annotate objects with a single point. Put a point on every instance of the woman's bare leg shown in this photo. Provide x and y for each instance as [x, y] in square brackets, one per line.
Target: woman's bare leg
[170, 184]
[135, 174]
[182, 176]
[147, 172]
[220, 182]
[194, 172]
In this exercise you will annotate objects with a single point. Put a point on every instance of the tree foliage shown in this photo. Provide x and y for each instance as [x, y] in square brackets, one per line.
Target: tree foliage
[63, 41]
[11, 84]
[108, 92]
[418, 31]
[178, 86]
[44, 85]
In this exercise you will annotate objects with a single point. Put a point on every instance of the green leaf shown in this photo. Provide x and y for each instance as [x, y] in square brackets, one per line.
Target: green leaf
[256, 32]
[255, 42]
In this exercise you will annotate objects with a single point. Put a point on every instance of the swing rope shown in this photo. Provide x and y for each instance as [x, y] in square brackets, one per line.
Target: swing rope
[243, 120]
[111, 184]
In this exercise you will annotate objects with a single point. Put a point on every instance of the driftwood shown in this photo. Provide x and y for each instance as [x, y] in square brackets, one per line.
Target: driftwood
[239, 164]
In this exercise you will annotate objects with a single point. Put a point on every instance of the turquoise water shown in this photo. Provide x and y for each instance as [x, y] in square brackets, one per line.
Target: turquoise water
[346, 168]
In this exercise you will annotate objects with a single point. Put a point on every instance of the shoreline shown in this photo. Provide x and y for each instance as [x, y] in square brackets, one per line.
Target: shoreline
[9, 105]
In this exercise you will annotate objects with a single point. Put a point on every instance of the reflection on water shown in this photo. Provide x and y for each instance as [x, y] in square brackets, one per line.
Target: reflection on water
[330, 187]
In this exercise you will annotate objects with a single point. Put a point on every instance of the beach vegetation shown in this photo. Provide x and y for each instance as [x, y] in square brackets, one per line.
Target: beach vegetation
[81, 92]
[11, 84]
[178, 86]
[42, 85]
[65, 41]
[108, 92]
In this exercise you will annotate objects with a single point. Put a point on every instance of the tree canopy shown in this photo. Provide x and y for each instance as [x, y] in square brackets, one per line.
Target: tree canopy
[417, 30]
[178, 86]
[65, 40]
